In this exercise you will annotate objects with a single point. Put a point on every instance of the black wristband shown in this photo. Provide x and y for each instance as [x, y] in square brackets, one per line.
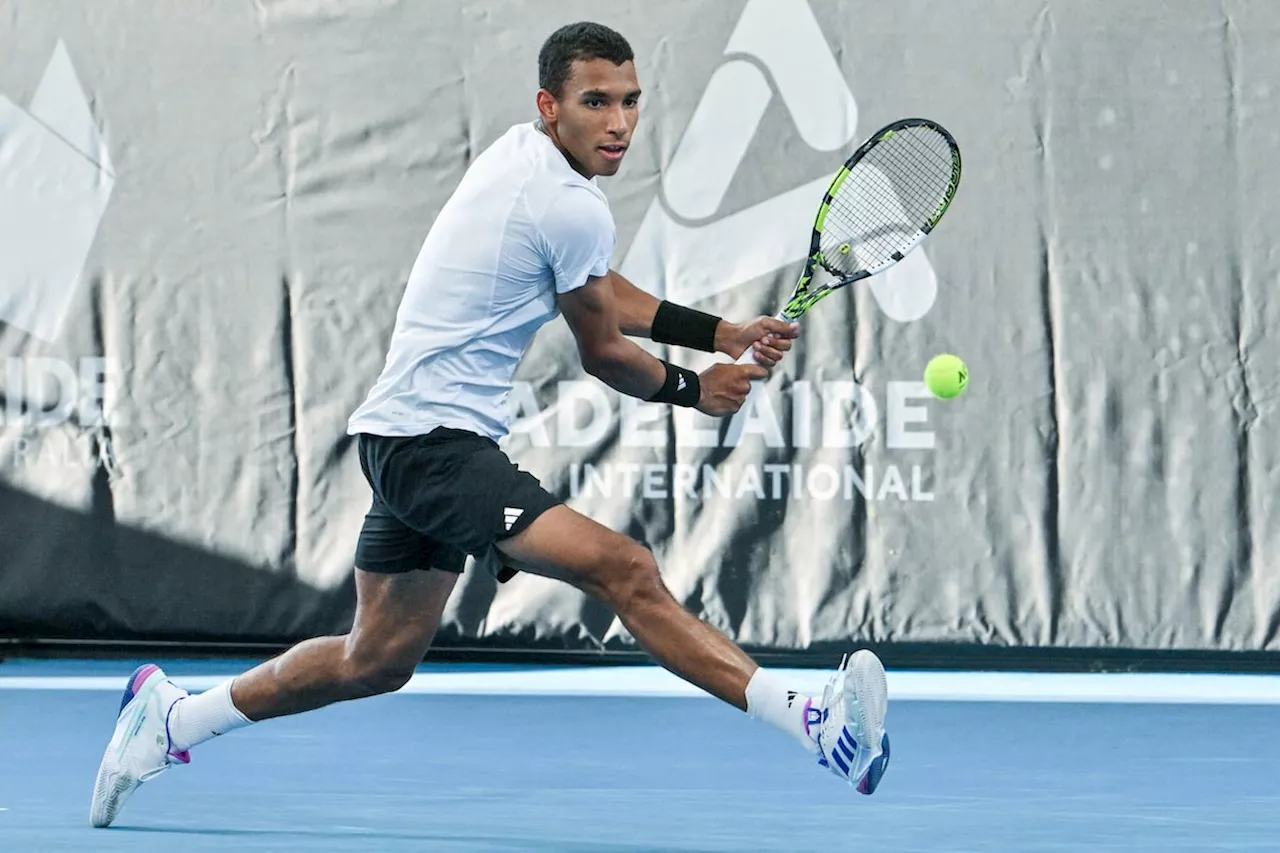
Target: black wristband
[684, 327]
[682, 387]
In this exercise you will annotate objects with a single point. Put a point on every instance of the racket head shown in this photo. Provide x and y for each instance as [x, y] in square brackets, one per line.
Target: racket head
[886, 198]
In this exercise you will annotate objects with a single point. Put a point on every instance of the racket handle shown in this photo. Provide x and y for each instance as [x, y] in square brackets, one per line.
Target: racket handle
[749, 355]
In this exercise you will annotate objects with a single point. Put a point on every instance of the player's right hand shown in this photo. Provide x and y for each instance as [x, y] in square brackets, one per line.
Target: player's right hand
[725, 387]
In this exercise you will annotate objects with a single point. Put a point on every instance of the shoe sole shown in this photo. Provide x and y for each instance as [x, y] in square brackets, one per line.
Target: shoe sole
[867, 687]
[110, 791]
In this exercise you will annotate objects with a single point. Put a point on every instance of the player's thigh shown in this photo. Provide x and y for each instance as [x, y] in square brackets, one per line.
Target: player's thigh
[403, 582]
[564, 544]
[397, 616]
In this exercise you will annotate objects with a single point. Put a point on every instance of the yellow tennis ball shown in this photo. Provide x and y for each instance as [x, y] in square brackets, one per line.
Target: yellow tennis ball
[946, 376]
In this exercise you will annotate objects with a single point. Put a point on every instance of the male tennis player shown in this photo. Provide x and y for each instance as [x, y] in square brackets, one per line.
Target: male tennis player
[527, 234]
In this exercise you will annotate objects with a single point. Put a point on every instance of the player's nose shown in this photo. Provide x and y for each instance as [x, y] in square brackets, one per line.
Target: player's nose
[618, 124]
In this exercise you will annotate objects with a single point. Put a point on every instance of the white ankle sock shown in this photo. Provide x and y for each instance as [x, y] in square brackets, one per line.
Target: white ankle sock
[202, 716]
[769, 700]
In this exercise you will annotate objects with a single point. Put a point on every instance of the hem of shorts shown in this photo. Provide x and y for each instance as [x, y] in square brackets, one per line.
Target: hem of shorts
[376, 569]
[417, 567]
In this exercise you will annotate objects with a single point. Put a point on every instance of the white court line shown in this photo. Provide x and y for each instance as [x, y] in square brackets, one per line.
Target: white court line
[903, 685]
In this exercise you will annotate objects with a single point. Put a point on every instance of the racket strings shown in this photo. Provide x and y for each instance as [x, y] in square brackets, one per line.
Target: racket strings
[889, 196]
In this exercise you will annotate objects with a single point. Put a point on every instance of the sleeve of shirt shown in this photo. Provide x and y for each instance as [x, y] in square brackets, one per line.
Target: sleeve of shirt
[578, 236]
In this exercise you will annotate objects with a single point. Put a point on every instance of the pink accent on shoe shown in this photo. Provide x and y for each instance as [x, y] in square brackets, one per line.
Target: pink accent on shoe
[807, 705]
[141, 677]
[183, 757]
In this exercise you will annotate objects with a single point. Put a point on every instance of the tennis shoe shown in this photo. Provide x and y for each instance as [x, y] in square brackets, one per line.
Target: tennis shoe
[140, 747]
[849, 724]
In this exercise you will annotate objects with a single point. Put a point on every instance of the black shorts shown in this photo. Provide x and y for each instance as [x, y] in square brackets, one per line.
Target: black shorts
[440, 497]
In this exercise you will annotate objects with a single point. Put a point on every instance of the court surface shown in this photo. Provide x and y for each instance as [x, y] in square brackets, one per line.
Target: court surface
[628, 759]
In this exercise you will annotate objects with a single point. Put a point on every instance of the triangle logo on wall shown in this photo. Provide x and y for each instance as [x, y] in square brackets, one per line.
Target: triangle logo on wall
[687, 263]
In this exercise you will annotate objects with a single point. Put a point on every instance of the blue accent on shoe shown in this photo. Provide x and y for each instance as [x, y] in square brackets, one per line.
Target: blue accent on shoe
[129, 692]
[876, 771]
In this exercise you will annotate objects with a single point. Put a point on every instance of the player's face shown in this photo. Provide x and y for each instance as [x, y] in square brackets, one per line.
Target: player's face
[596, 114]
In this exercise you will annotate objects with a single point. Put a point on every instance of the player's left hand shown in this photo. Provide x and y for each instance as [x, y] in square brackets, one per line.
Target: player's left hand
[769, 337]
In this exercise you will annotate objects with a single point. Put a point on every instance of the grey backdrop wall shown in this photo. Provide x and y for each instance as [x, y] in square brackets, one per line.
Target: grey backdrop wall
[208, 211]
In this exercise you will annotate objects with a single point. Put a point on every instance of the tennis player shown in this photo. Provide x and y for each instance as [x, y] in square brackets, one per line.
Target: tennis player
[526, 235]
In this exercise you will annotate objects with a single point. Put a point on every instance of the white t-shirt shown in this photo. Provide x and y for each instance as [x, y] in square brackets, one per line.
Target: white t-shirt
[521, 227]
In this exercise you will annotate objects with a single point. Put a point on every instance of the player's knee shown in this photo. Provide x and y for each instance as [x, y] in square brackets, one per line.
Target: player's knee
[368, 675]
[632, 580]
[383, 678]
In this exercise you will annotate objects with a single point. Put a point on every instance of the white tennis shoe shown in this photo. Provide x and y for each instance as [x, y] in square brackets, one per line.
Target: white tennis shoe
[140, 748]
[851, 738]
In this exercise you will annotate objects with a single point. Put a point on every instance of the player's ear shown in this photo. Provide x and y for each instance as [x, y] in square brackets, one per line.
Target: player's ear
[547, 106]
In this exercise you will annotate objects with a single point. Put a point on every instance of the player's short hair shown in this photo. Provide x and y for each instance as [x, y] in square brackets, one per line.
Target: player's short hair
[583, 40]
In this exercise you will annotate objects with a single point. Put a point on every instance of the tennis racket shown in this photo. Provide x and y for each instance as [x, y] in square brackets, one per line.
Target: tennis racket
[888, 196]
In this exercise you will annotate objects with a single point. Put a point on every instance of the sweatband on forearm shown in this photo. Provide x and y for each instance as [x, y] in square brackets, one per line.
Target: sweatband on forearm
[684, 327]
[682, 387]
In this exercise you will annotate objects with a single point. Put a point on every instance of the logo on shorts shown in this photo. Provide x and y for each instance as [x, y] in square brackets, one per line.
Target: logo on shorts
[686, 249]
[511, 515]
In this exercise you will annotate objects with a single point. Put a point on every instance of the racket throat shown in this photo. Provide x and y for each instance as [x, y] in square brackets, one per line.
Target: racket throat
[816, 284]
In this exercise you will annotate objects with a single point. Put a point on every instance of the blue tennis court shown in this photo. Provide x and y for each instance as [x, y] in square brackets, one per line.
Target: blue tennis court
[515, 769]
[937, 335]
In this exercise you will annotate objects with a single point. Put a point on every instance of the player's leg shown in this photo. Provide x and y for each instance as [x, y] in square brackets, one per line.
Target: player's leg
[396, 618]
[403, 582]
[159, 722]
[623, 573]
[845, 726]
[402, 586]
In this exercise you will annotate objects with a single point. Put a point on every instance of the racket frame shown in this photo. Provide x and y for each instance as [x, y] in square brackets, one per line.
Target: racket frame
[802, 298]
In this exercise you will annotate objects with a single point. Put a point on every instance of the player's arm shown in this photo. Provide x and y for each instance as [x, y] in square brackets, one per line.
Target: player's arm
[641, 314]
[576, 236]
[636, 308]
[592, 314]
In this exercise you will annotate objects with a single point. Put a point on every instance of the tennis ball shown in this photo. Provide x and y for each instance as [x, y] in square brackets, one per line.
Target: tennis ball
[946, 376]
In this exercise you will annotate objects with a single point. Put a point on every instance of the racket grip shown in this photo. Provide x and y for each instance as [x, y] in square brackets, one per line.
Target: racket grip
[749, 355]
